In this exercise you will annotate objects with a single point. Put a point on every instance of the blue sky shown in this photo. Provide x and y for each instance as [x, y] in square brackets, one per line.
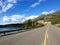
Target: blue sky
[17, 11]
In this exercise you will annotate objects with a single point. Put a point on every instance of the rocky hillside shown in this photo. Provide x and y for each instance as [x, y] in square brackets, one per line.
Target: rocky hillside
[54, 18]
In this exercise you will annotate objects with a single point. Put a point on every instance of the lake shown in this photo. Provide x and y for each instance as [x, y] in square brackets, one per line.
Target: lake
[3, 29]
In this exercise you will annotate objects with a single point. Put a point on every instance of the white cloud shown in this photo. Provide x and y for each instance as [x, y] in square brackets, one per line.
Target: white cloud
[17, 18]
[13, 18]
[31, 17]
[12, 1]
[36, 3]
[50, 12]
[45, 13]
[6, 5]
[6, 19]
[1, 3]
[4, 9]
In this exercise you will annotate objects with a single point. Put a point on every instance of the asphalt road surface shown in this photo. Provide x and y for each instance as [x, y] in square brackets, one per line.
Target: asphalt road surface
[47, 35]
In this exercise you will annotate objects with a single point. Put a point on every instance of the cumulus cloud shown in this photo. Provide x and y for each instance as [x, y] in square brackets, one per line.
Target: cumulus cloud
[13, 18]
[6, 5]
[6, 19]
[31, 17]
[50, 12]
[36, 3]
[17, 18]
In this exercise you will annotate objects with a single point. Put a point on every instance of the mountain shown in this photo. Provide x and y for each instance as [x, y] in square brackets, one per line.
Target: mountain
[54, 18]
[57, 12]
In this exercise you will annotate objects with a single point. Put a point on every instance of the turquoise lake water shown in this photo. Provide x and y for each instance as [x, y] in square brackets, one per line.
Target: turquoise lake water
[3, 29]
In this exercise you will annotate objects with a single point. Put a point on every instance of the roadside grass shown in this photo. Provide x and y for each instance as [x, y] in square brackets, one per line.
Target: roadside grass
[58, 25]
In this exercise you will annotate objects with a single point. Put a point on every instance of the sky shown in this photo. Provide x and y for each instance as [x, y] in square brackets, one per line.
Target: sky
[17, 11]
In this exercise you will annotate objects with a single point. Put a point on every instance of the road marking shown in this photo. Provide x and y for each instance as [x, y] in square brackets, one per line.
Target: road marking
[46, 36]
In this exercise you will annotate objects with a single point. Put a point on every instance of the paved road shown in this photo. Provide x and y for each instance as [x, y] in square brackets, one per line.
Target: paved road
[47, 35]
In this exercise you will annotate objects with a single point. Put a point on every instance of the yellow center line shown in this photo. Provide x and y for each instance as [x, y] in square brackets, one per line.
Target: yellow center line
[46, 36]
